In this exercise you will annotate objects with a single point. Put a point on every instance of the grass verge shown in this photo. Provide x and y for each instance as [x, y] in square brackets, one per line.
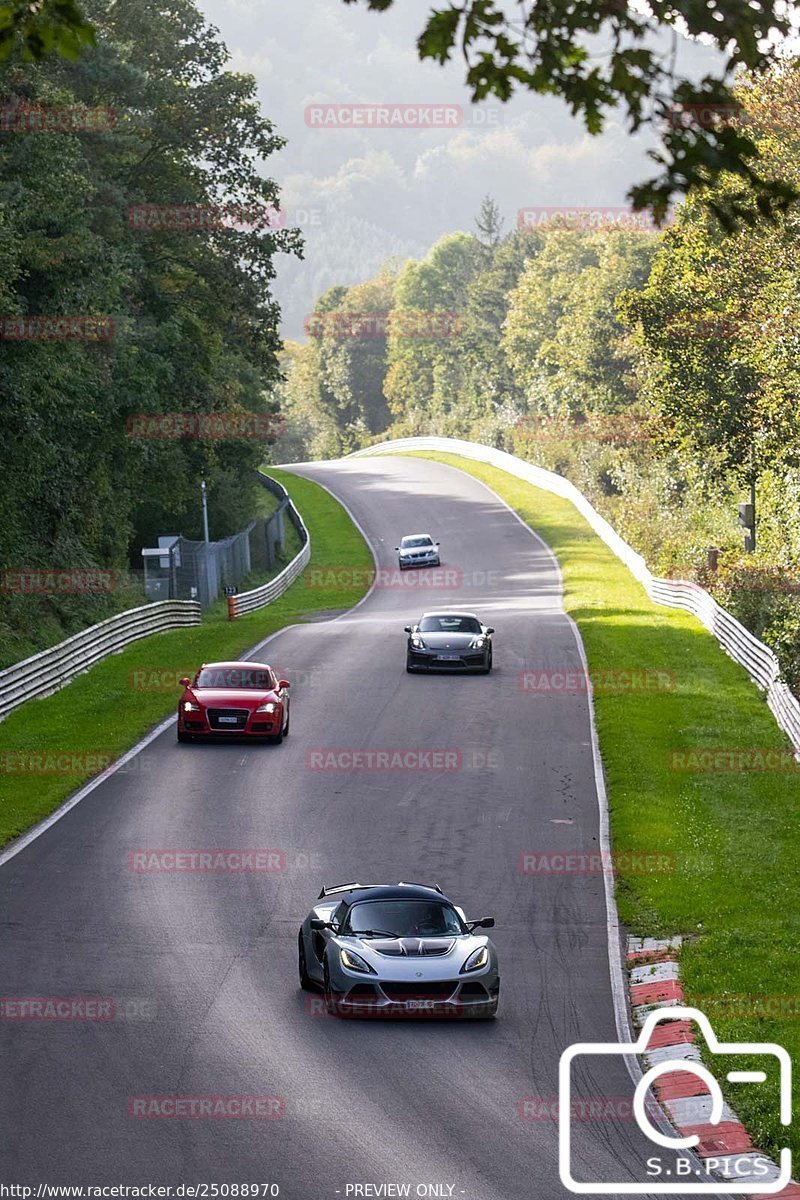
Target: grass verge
[107, 710]
[731, 835]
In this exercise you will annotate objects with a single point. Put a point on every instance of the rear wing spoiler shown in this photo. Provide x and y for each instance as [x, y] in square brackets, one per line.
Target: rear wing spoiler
[343, 887]
[354, 887]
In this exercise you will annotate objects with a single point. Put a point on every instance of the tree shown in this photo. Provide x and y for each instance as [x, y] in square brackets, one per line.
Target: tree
[37, 27]
[551, 49]
[425, 347]
[194, 323]
[719, 321]
[489, 224]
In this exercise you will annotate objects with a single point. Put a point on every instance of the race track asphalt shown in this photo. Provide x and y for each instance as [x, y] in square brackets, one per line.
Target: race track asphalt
[202, 967]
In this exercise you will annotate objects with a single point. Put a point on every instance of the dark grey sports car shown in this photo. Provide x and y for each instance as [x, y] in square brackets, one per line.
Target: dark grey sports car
[447, 641]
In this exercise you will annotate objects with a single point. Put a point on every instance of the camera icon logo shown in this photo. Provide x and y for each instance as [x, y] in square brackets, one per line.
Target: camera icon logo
[661, 1137]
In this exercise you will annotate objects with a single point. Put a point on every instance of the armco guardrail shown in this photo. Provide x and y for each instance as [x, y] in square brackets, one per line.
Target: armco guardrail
[756, 658]
[246, 602]
[50, 669]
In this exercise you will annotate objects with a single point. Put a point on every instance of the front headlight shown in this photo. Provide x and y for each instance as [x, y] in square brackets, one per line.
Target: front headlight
[479, 958]
[188, 706]
[417, 643]
[478, 643]
[270, 707]
[354, 962]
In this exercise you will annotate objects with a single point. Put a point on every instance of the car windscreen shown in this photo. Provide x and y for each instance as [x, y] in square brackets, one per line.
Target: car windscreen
[450, 624]
[404, 918]
[254, 679]
[409, 543]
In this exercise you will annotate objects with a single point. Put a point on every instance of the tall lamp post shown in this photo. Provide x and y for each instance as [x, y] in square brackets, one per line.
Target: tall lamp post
[205, 510]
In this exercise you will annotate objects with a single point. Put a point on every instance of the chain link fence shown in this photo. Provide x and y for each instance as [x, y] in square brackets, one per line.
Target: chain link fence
[181, 569]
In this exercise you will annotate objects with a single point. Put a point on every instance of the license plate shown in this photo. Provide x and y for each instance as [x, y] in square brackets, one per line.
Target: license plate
[416, 1005]
[229, 720]
[449, 657]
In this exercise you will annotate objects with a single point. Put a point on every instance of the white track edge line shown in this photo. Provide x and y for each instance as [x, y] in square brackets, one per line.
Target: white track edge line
[617, 974]
[25, 839]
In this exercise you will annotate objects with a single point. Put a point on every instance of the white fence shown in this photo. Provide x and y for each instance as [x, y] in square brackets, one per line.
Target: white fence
[49, 670]
[246, 602]
[757, 659]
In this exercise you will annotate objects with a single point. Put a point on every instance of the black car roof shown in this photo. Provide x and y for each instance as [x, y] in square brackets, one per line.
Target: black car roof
[394, 891]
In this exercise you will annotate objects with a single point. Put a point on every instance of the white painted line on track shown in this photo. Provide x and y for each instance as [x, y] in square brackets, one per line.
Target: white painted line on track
[31, 835]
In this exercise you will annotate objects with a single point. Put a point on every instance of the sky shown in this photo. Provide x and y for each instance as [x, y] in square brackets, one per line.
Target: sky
[364, 195]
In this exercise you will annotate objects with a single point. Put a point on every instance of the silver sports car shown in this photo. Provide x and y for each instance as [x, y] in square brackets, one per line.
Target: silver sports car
[397, 950]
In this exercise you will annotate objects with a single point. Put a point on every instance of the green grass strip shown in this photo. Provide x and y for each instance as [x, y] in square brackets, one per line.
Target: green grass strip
[732, 836]
[114, 704]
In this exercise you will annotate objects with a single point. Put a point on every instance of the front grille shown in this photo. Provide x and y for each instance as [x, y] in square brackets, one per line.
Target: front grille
[436, 990]
[216, 715]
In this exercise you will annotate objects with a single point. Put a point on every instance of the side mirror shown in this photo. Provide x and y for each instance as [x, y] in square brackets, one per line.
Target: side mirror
[185, 681]
[484, 923]
[284, 683]
[406, 629]
[317, 923]
[490, 628]
[438, 543]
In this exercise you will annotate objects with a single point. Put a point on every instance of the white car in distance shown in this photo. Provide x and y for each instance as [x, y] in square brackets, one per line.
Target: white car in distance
[417, 550]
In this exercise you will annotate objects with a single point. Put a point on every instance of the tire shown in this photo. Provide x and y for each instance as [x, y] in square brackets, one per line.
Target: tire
[288, 719]
[306, 982]
[184, 737]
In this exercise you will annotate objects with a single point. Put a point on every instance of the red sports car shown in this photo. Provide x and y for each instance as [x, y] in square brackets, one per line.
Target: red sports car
[225, 699]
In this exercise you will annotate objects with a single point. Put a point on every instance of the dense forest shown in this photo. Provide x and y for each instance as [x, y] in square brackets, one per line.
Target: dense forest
[657, 370]
[168, 315]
